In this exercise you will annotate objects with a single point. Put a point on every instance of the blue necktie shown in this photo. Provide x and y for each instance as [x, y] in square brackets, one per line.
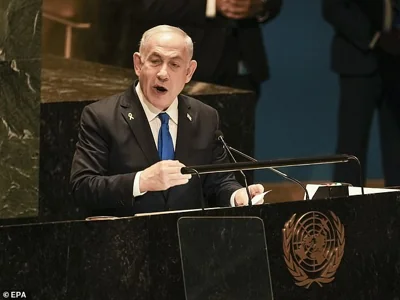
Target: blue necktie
[165, 145]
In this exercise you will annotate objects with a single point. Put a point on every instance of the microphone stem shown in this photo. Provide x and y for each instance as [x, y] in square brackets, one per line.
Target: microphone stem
[360, 173]
[201, 190]
[246, 188]
[240, 171]
[274, 170]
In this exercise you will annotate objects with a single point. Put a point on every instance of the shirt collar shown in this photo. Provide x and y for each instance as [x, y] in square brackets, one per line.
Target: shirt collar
[152, 112]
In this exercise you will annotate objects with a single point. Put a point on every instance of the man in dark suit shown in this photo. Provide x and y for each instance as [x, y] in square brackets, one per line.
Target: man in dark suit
[226, 33]
[365, 53]
[132, 146]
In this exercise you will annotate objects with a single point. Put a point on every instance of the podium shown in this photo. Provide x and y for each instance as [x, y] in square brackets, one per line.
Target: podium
[342, 248]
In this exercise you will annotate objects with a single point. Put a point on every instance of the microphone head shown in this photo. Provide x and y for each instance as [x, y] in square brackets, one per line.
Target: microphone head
[218, 134]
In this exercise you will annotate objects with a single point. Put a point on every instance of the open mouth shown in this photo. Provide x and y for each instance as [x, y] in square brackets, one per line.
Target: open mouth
[160, 89]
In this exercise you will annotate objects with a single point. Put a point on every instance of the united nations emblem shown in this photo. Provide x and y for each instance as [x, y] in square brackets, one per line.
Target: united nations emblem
[313, 247]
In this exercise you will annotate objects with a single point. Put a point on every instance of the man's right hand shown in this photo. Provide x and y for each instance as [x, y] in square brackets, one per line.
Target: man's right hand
[239, 9]
[162, 175]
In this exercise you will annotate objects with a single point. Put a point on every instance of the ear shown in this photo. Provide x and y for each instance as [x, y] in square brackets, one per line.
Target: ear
[190, 71]
[137, 63]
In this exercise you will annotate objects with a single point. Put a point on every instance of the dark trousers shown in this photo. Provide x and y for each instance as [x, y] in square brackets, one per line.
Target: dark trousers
[360, 97]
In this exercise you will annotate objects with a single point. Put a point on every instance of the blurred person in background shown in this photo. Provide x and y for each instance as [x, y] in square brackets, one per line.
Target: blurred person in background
[366, 55]
[226, 33]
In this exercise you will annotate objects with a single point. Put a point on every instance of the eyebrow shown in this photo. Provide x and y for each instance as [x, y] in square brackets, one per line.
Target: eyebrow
[155, 54]
[176, 57]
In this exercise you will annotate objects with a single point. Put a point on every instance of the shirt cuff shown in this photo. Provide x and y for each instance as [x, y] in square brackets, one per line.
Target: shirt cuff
[374, 40]
[211, 8]
[264, 15]
[136, 190]
[233, 198]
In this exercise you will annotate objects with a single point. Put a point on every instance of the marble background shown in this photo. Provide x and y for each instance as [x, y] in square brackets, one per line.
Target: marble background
[20, 34]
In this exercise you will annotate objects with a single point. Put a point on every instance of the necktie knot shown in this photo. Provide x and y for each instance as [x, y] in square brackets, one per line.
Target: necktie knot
[164, 117]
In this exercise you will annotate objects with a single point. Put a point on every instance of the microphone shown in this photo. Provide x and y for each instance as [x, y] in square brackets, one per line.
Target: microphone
[201, 189]
[272, 169]
[278, 163]
[219, 136]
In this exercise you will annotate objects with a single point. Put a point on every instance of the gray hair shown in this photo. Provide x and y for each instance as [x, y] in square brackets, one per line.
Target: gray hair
[166, 28]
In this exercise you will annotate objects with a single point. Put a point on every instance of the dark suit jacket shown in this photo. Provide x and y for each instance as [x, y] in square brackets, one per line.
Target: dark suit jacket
[112, 148]
[214, 47]
[355, 22]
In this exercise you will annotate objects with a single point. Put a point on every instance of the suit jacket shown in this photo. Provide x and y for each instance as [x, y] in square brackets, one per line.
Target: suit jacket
[355, 23]
[112, 147]
[218, 43]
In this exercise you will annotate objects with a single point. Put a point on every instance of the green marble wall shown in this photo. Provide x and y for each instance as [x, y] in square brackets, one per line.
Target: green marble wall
[20, 69]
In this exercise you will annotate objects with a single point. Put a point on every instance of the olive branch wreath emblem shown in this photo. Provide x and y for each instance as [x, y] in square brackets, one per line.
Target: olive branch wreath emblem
[326, 275]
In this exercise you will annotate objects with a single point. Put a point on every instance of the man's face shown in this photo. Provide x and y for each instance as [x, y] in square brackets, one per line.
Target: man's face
[163, 68]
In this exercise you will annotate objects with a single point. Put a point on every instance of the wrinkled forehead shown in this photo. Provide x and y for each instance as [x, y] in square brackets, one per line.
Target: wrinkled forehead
[167, 45]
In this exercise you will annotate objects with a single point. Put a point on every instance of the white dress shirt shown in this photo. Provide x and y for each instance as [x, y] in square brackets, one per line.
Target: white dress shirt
[152, 113]
[211, 8]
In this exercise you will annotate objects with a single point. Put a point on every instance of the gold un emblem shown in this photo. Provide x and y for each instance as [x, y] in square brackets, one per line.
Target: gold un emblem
[313, 247]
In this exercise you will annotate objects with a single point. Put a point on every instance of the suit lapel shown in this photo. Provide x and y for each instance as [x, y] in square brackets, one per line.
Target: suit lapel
[133, 113]
[186, 120]
[186, 124]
